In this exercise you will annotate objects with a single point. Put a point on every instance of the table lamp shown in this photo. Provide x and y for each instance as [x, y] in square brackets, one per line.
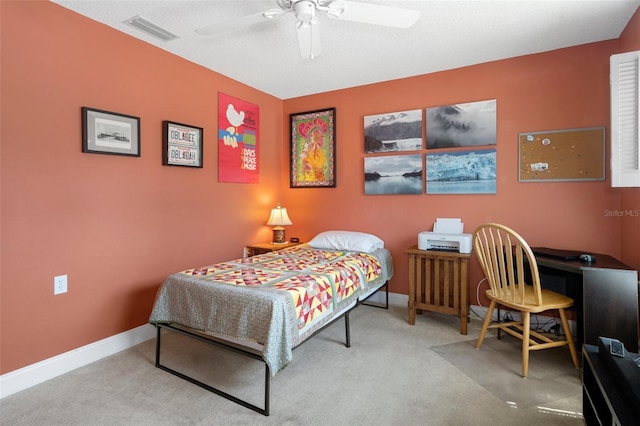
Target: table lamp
[278, 218]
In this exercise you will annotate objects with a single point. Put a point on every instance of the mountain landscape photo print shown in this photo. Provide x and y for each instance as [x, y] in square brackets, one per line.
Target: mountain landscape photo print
[394, 131]
[461, 125]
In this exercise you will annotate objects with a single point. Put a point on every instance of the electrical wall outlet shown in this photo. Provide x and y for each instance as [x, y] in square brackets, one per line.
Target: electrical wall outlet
[60, 284]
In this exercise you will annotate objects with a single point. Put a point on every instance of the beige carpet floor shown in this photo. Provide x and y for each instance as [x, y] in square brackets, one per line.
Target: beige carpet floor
[394, 374]
[497, 367]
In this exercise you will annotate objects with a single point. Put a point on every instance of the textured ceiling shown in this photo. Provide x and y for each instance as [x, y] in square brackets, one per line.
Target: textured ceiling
[449, 34]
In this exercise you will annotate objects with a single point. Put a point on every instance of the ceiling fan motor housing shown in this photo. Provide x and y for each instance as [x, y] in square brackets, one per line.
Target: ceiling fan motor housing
[305, 10]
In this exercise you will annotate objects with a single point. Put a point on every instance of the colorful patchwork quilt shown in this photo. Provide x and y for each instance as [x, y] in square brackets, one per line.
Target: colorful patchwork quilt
[276, 299]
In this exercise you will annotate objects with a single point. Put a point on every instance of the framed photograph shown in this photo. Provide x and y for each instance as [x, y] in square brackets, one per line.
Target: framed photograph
[181, 145]
[105, 132]
[313, 149]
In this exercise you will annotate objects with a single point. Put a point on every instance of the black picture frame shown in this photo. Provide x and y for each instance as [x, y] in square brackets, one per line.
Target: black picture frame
[182, 145]
[313, 149]
[112, 133]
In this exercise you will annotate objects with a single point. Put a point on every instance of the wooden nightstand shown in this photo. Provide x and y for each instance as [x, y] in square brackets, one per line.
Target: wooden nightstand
[261, 248]
[439, 282]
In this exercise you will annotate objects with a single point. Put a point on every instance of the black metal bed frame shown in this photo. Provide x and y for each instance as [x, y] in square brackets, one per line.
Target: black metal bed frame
[254, 354]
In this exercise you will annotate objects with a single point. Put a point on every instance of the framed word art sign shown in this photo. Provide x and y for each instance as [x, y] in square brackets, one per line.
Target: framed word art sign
[181, 145]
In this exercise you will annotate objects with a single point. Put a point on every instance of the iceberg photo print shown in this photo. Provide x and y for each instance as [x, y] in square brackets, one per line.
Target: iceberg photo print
[393, 174]
[462, 172]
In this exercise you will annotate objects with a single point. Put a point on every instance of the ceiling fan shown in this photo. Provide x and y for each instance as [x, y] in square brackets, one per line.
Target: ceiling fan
[306, 12]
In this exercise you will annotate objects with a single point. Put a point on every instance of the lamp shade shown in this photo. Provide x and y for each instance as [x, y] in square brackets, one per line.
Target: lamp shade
[279, 217]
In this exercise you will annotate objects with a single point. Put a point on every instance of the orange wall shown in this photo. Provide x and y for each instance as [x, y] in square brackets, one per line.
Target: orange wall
[115, 225]
[118, 225]
[562, 89]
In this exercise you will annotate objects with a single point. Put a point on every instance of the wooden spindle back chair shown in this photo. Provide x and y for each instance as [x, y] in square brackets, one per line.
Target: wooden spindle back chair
[507, 262]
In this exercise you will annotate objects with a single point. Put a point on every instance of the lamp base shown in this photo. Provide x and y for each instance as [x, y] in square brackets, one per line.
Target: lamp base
[278, 236]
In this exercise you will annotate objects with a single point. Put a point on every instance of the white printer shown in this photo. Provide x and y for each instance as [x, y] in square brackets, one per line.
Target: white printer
[446, 235]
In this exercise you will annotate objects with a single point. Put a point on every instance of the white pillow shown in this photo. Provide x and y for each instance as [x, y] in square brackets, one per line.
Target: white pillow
[347, 240]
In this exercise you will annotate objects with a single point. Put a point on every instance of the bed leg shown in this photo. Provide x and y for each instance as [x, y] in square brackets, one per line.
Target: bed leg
[158, 346]
[267, 387]
[386, 306]
[386, 292]
[378, 305]
[347, 329]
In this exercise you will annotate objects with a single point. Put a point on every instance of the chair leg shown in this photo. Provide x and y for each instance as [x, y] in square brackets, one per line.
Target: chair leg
[567, 332]
[526, 324]
[485, 324]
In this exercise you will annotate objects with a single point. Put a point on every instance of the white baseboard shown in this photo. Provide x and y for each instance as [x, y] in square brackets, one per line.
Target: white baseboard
[33, 374]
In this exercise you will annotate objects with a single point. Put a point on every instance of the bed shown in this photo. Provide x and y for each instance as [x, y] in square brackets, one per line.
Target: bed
[267, 305]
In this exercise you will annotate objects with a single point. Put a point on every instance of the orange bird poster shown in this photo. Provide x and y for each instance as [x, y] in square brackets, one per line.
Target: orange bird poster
[238, 140]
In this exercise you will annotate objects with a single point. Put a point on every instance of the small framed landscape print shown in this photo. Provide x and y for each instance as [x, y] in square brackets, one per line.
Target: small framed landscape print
[105, 132]
[181, 145]
[313, 149]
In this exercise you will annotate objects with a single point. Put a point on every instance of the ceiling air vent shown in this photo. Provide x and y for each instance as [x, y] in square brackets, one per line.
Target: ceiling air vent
[150, 28]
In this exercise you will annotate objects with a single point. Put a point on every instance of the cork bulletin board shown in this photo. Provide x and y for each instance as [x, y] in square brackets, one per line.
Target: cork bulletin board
[562, 155]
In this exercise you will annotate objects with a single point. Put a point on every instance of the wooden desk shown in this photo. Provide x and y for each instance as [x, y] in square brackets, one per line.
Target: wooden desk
[603, 261]
[439, 282]
[605, 294]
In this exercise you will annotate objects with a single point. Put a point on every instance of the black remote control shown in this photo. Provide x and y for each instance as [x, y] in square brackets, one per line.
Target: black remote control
[617, 348]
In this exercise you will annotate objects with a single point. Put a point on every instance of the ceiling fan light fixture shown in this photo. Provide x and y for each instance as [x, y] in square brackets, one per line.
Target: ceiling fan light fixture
[150, 28]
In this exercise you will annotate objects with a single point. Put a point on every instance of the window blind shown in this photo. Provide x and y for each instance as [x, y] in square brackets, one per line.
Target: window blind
[625, 119]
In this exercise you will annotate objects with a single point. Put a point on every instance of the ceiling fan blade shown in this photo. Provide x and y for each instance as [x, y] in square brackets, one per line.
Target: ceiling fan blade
[373, 14]
[308, 38]
[239, 23]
